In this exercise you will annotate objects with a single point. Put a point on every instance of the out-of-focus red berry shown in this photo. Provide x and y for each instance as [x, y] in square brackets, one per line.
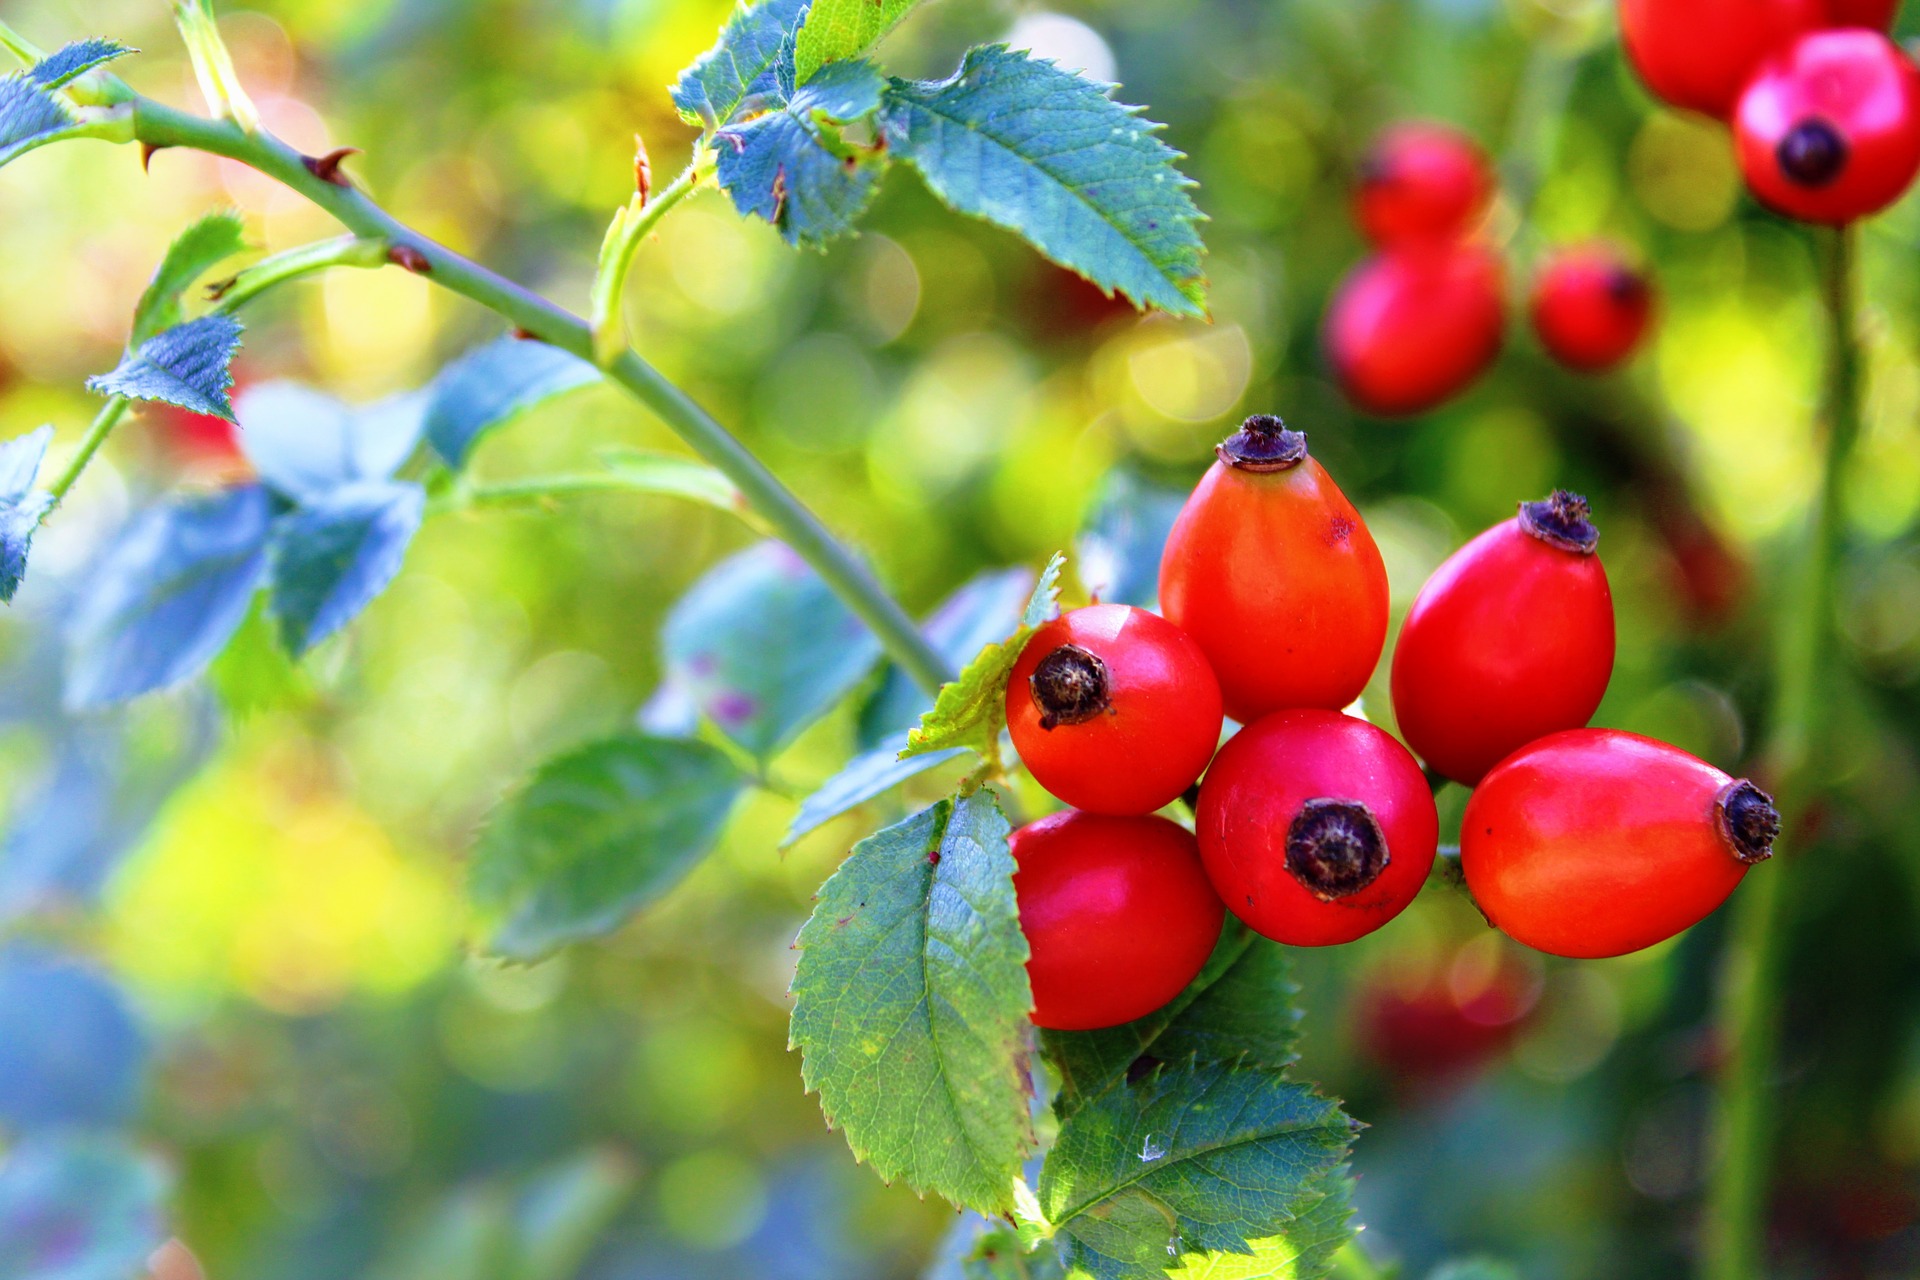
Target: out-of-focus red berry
[1421, 181]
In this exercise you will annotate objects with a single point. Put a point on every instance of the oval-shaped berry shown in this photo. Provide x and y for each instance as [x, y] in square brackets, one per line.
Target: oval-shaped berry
[1510, 640]
[1699, 54]
[1414, 326]
[1829, 129]
[1591, 308]
[1274, 575]
[1316, 828]
[1118, 915]
[1113, 709]
[1421, 181]
[1597, 842]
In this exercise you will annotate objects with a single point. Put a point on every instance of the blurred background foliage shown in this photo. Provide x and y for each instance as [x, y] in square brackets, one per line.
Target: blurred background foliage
[236, 931]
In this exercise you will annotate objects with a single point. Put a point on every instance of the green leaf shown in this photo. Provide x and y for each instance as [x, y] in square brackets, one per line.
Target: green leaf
[1239, 1009]
[194, 252]
[189, 365]
[596, 834]
[565, 1210]
[21, 506]
[331, 557]
[253, 674]
[63, 66]
[836, 30]
[492, 384]
[791, 166]
[1048, 155]
[30, 117]
[762, 647]
[971, 711]
[867, 775]
[1304, 1251]
[911, 1003]
[984, 609]
[733, 77]
[979, 1249]
[1198, 1156]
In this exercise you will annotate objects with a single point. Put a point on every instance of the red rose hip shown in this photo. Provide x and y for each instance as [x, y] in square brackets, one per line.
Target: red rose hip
[1829, 129]
[1590, 308]
[1316, 828]
[1597, 842]
[1113, 709]
[1510, 640]
[1699, 54]
[1118, 915]
[1273, 574]
[1414, 326]
[1421, 181]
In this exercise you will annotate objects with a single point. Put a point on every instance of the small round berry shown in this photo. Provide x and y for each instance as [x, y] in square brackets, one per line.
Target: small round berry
[1316, 828]
[1414, 326]
[1829, 128]
[1597, 842]
[1113, 709]
[1275, 576]
[1590, 308]
[1421, 181]
[1699, 54]
[1118, 916]
[1510, 640]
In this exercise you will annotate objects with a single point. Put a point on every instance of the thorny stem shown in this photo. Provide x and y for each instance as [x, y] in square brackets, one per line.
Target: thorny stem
[629, 230]
[160, 126]
[1747, 1015]
[97, 432]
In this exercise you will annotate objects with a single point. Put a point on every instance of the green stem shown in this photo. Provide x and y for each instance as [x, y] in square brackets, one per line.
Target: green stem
[1352, 1263]
[630, 228]
[97, 432]
[19, 46]
[1748, 1006]
[306, 260]
[161, 126]
[1533, 123]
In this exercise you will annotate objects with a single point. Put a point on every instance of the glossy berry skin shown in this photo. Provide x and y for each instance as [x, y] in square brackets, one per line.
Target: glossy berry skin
[1118, 915]
[1699, 54]
[1590, 308]
[1412, 327]
[1829, 129]
[1274, 575]
[1510, 640]
[1257, 827]
[1421, 181]
[1113, 709]
[1597, 842]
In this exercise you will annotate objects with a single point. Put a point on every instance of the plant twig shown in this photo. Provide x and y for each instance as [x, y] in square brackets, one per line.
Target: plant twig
[308, 259]
[97, 432]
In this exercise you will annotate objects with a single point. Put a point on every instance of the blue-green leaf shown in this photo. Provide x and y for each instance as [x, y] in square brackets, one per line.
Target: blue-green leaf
[78, 1208]
[790, 165]
[911, 1003]
[29, 117]
[1048, 155]
[762, 647]
[985, 609]
[738, 74]
[1239, 1009]
[867, 775]
[330, 557]
[20, 505]
[836, 30]
[189, 365]
[305, 444]
[596, 834]
[1305, 1249]
[199, 249]
[1119, 546]
[167, 595]
[71, 1053]
[492, 384]
[70, 63]
[1192, 1157]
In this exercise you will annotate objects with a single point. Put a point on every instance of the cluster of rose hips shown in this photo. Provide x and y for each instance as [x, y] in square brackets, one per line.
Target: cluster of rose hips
[1314, 826]
[1418, 321]
[1825, 108]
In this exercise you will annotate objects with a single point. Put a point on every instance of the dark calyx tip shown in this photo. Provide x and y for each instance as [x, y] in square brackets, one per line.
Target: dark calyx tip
[1747, 820]
[1069, 686]
[1561, 520]
[1335, 848]
[1812, 153]
[1263, 443]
